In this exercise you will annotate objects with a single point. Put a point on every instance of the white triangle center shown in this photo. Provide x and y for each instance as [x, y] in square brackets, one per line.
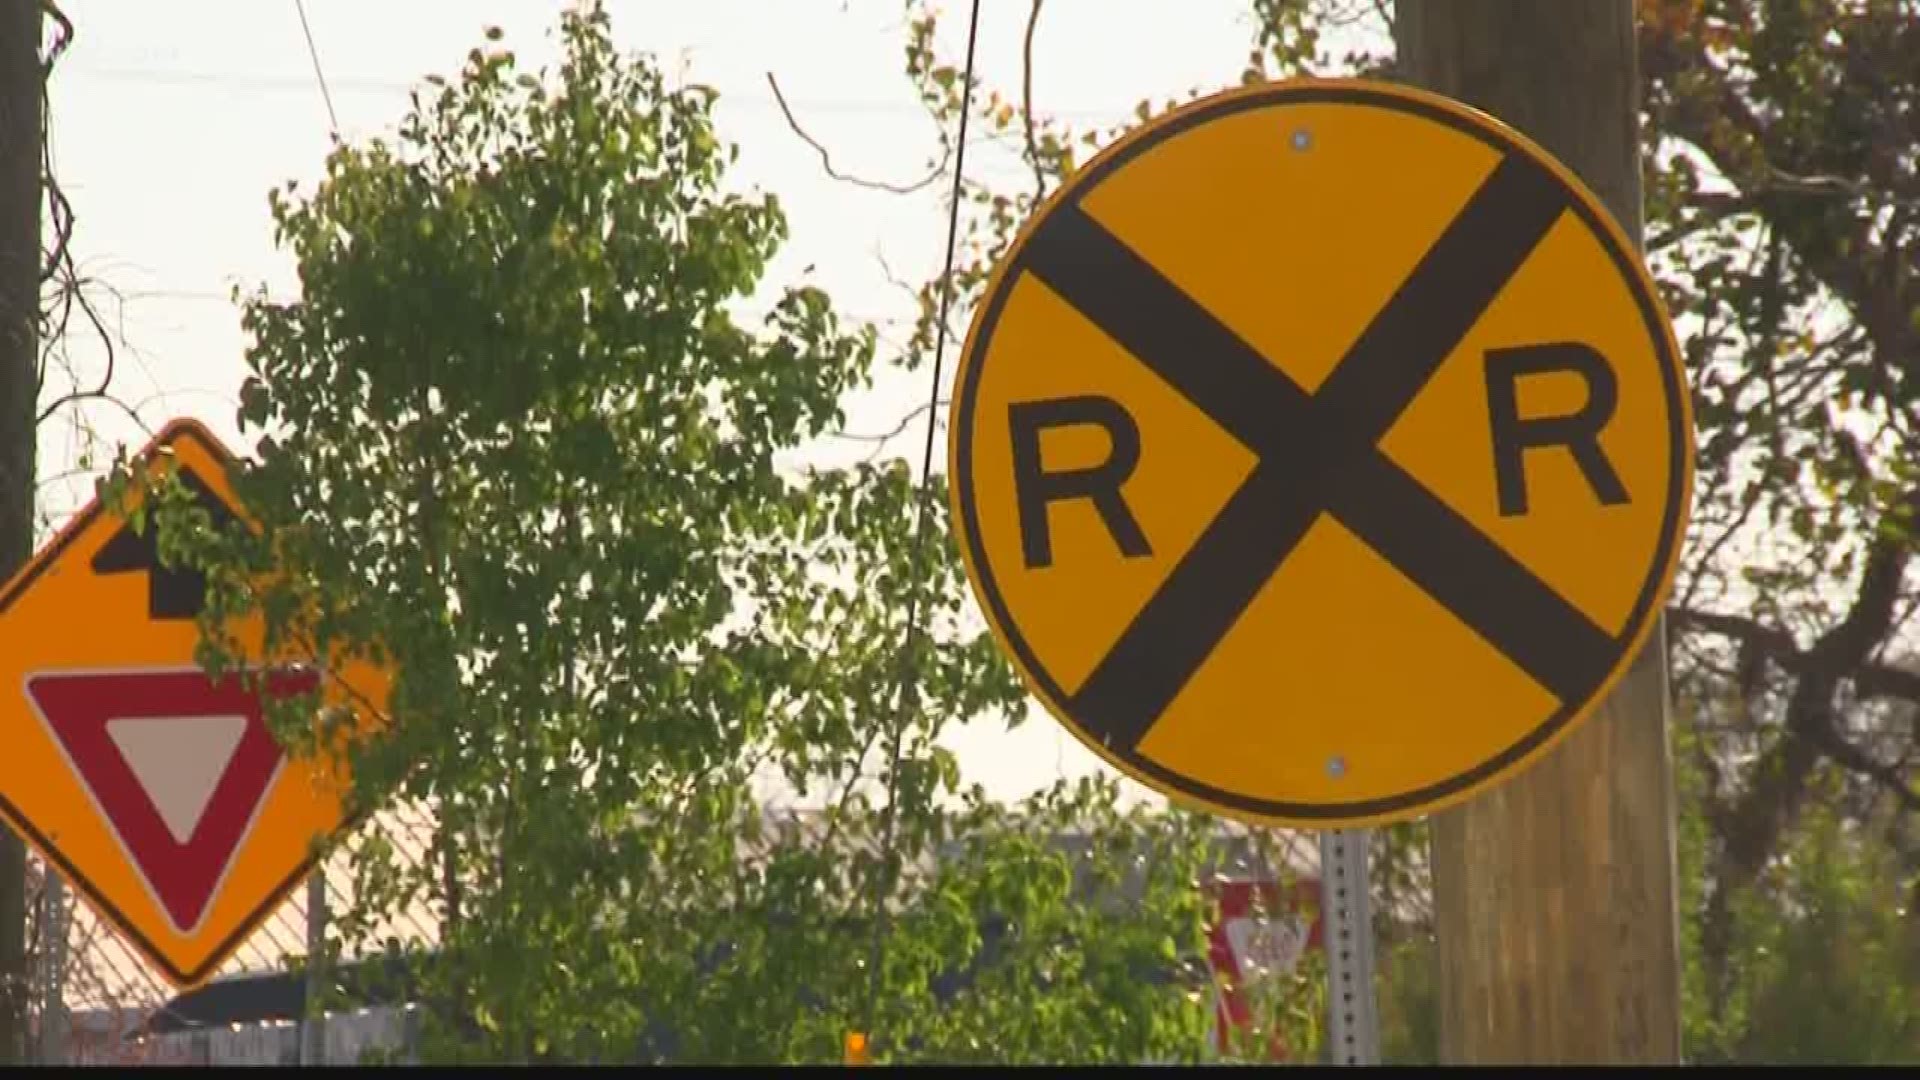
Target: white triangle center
[179, 760]
[1267, 947]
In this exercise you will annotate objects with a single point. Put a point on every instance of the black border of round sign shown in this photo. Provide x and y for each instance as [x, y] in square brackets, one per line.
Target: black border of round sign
[1640, 622]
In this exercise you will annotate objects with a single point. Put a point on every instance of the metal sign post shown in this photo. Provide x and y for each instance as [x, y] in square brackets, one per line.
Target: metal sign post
[313, 1021]
[53, 965]
[1353, 1028]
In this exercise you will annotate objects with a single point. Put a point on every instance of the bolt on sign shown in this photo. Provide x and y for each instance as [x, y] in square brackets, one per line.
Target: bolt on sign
[1321, 452]
[157, 790]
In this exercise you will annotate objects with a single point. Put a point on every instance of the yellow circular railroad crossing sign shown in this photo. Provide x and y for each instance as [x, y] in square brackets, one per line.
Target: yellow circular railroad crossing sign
[1321, 453]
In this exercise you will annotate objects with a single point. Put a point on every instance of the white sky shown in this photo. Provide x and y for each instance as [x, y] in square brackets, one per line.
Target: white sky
[172, 121]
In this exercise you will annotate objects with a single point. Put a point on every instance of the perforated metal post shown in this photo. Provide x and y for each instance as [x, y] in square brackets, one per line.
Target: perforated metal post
[1346, 920]
[313, 1024]
[53, 966]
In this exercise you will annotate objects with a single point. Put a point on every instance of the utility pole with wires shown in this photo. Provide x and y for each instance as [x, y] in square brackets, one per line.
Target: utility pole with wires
[22, 84]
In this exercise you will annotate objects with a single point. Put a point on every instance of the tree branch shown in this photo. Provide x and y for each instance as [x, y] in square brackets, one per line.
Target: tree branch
[826, 159]
[1870, 680]
[100, 391]
[1722, 125]
[1026, 105]
[1713, 207]
[1849, 754]
[57, 269]
[896, 430]
[1770, 804]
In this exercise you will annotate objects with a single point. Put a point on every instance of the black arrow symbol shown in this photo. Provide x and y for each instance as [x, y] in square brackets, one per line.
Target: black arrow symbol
[173, 592]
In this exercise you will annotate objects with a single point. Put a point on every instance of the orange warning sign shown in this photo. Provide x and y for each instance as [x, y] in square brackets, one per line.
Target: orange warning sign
[158, 791]
[1321, 453]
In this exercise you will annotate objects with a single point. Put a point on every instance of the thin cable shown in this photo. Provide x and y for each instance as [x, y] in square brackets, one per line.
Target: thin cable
[313, 52]
[882, 892]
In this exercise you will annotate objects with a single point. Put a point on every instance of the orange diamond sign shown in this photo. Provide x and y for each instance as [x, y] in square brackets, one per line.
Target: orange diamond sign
[157, 790]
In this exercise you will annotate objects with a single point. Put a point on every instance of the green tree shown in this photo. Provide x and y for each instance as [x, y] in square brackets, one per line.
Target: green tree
[517, 441]
[1820, 951]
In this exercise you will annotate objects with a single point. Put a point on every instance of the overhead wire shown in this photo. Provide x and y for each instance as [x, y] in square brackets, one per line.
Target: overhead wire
[313, 51]
[348, 85]
[884, 887]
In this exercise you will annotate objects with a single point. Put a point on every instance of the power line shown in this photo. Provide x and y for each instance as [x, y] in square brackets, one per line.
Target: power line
[886, 884]
[325, 95]
[186, 77]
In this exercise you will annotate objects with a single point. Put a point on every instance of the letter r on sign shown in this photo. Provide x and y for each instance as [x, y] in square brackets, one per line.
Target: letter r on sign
[1578, 432]
[1035, 487]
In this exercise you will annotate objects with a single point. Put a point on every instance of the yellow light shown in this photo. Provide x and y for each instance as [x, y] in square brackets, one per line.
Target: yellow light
[856, 1048]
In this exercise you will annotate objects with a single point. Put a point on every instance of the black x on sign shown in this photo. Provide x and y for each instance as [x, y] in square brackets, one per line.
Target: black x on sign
[1321, 453]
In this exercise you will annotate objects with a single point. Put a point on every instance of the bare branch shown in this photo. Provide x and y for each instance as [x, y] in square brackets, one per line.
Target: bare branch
[893, 277]
[1026, 104]
[57, 268]
[106, 378]
[1749, 502]
[60, 42]
[64, 475]
[100, 393]
[928, 320]
[898, 429]
[1724, 126]
[59, 215]
[1842, 653]
[826, 159]
[1781, 180]
[1871, 680]
[1828, 738]
[1714, 207]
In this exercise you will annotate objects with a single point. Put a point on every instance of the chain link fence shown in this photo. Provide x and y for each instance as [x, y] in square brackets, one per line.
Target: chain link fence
[96, 1000]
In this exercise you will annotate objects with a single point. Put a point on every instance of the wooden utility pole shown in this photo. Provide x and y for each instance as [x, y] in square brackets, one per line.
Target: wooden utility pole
[20, 89]
[1554, 893]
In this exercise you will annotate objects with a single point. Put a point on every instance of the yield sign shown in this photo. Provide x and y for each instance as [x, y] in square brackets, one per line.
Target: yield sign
[175, 762]
[1256, 933]
[158, 791]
